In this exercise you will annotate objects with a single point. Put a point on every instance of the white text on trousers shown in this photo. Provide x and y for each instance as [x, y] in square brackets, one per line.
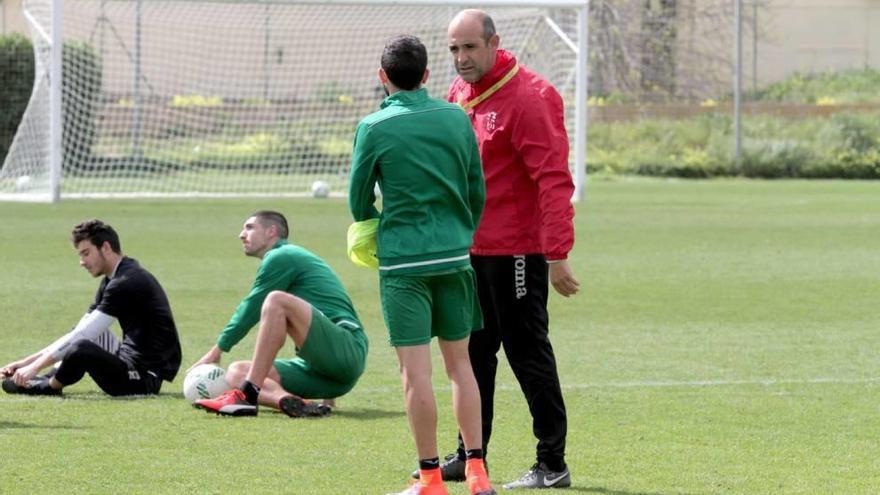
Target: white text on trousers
[519, 275]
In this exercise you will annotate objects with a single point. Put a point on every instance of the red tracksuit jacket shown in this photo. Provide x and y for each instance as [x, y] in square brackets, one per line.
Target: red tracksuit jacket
[524, 149]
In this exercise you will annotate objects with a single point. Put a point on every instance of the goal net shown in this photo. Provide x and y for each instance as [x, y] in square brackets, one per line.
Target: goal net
[214, 98]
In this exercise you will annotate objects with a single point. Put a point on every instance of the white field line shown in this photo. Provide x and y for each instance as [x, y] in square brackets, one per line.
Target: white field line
[768, 382]
[506, 387]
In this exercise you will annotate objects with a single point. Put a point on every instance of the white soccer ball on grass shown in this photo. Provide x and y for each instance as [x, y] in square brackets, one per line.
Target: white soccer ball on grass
[205, 381]
[23, 183]
[320, 189]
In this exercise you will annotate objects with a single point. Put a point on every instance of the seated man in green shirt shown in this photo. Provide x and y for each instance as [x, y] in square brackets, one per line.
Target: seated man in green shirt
[295, 294]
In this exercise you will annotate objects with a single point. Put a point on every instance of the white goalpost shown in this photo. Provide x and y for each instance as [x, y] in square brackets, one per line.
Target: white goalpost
[168, 98]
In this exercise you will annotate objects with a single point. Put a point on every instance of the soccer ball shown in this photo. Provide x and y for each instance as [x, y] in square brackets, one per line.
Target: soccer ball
[320, 189]
[22, 183]
[205, 381]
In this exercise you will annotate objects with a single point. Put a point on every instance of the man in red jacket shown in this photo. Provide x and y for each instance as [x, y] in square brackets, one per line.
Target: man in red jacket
[524, 237]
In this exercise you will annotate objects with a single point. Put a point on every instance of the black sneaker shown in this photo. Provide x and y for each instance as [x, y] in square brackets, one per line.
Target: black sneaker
[49, 374]
[37, 386]
[451, 469]
[297, 407]
[10, 387]
[540, 476]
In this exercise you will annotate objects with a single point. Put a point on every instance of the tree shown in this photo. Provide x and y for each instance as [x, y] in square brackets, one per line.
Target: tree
[656, 50]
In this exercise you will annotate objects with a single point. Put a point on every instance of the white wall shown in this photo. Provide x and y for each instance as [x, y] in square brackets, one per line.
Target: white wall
[816, 36]
[11, 20]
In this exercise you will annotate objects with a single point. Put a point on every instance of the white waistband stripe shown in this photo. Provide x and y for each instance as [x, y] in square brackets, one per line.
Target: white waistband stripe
[425, 263]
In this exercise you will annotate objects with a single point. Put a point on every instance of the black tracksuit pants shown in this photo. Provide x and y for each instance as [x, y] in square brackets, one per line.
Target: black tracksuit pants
[111, 373]
[513, 297]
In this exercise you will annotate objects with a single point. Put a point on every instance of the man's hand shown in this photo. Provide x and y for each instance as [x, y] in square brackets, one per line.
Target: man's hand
[22, 376]
[9, 369]
[563, 279]
[211, 357]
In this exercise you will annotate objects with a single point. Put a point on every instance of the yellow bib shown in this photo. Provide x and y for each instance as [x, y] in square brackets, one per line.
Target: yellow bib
[362, 243]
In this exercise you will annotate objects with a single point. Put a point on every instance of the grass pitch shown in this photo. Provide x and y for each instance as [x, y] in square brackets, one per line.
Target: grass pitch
[724, 341]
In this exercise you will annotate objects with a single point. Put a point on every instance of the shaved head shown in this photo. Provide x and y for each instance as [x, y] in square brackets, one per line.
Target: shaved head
[472, 42]
[475, 17]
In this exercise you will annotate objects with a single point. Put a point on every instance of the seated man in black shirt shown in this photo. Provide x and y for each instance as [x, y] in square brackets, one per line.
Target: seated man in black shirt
[150, 349]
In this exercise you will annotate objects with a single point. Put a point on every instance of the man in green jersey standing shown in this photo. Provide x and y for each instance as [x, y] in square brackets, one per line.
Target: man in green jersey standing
[424, 156]
[295, 294]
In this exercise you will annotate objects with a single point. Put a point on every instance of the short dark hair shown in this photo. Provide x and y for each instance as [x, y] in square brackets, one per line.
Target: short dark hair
[488, 27]
[272, 217]
[96, 232]
[404, 60]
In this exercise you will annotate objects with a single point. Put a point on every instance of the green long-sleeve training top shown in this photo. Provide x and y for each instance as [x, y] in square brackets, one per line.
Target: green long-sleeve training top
[423, 154]
[298, 271]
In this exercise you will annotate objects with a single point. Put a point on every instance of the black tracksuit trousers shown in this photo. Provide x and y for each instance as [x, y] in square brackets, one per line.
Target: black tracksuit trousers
[110, 372]
[513, 297]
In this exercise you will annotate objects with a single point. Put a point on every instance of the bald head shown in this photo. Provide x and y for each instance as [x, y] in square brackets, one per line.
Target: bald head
[477, 19]
[472, 43]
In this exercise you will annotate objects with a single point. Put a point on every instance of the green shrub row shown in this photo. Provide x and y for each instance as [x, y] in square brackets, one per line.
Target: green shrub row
[846, 145]
[848, 86]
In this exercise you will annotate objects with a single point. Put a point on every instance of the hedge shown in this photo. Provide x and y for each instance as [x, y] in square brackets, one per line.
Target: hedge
[17, 82]
[845, 145]
[81, 93]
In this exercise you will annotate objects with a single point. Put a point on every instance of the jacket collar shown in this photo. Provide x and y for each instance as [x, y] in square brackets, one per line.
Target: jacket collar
[405, 98]
[504, 61]
[116, 268]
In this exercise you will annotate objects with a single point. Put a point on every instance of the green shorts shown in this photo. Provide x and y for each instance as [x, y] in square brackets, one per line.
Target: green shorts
[329, 363]
[420, 307]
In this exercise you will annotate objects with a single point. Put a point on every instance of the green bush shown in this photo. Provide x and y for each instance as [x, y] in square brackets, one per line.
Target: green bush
[81, 100]
[846, 165]
[669, 148]
[851, 132]
[846, 145]
[850, 86]
[81, 92]
[16, 84]
[774, 158]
